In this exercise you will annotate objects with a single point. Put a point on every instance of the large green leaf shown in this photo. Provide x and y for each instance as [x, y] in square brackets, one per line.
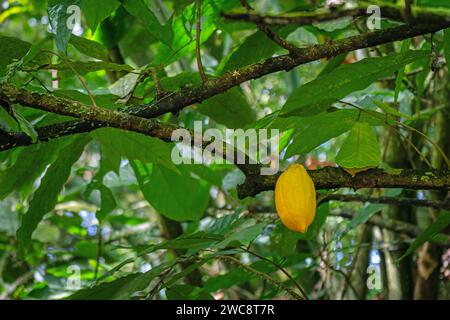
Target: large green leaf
[365, 214]
[284, 241]
[59, 16]
[121, 288]
[134, 146]
[20, 176]
[11, 49]
[313, 131]
[90, 48]
[230, 109]
[186, 292]
[107, 200]
[140, 10]
[24, 124]
[183, 28]
[319, 94]
[243, 236]
[361, 148]
[255, 48]
[178, 196]
[96, 11]
[45, 197]
[233, 277]
[442, 221]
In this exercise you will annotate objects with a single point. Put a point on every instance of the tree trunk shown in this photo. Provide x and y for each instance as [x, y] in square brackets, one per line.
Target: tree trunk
[400, 278]
[429, 256]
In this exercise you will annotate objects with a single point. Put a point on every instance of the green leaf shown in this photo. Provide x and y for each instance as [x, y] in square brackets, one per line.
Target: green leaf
[194, 242]
[9, 218]
[59, 15]
[178, 196]
[284, 241]
[314, 131]
[365, 214]
[186, 292]
[401, 73]
[19, 176]
[319, 94]
[362, 217]
[83, 67]
[102, 100]
[24, 124]
[45, 197]
[242, 237]
[90, 48]
[389, 110]
[96, 11]
[107, 200]
[334, 63]
[121, 288]
[12, 49]
[134, 146]
[447, 46]
[7, 122]
[233, 277]
[255, 48]
[433, 3]
[361, 148]
[320, 218]
[230, 109]
[183, 30]
[140, 10]
[442, 221]
[311, 132]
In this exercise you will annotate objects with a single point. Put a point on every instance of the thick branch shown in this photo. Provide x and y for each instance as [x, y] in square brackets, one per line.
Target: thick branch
[386, 223]
[188, 96]
[91, 117]
[400, 201]
[332, 178]
[390, 11]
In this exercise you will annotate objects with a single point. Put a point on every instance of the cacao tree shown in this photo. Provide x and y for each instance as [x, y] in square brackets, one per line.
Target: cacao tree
[141, 142]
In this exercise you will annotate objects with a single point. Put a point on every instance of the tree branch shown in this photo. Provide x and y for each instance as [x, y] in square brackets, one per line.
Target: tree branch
[270, 33]
[410, 14]
[332, 178]
[386, 223]
[94, 117]
[187, 96]
[400, 201]
[197, 42]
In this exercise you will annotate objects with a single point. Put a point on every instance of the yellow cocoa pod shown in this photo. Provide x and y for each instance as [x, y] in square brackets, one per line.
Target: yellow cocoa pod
[295, 198]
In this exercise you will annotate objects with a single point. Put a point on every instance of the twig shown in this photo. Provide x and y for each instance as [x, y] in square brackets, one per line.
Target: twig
[352, 268]
[264, 276]
[82, 81]
[270, 33]
[17, 283]
[338, 271]
[99, 251]
[299, 287]
[198, 41]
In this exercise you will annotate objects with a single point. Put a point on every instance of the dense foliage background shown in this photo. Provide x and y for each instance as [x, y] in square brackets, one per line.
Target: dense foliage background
[105, 214]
